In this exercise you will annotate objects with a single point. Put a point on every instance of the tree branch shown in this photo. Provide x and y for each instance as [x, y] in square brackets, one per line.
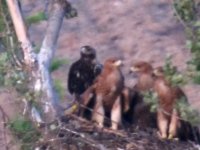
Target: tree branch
[39, 67]
[21, 32]
[47, 51]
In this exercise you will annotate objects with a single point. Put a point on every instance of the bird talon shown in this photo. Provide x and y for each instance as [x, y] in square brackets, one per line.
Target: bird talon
[161, 136]
[170, 137]
[100, 125]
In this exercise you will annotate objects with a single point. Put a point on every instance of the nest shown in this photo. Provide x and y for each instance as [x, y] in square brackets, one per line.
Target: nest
[74, 133]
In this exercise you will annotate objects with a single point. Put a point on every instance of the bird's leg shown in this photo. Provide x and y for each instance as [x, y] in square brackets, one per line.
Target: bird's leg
[85, 99]
[98, 113]
[162, 124]
[173, 124]
[126, 99]
[116, 113]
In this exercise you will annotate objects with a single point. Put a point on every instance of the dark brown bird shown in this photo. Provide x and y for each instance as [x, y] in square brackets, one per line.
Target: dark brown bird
[83, 72]
[108, 87]
[167, 115]
[145, 81]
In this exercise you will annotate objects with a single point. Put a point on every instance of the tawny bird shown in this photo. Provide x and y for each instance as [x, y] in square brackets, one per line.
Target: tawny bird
[167, 114]
[108, 87]
[145, 81]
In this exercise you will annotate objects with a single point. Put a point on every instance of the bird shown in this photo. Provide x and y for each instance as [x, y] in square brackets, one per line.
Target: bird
[87, 102]
[177, 91]
[177, 128]
[144, 71]
[142, 115]
[107, 89]
[83, 72]
[167, 114]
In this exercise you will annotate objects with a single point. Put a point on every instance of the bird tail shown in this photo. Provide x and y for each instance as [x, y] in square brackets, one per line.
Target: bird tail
[189, 132]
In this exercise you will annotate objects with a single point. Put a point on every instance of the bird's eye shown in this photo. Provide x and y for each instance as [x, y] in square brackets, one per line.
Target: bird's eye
[137, 66]
[115, 61]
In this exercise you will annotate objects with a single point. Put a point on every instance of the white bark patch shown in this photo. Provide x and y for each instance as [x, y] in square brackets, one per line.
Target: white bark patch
[25, 106]
[40, 73]
[47, 107]
[38, 85]
[36, 115]
[45, 56]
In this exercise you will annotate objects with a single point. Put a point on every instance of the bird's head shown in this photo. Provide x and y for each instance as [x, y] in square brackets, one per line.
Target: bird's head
[141, 67]
[88, 54]
[113, 62]
[158, 72]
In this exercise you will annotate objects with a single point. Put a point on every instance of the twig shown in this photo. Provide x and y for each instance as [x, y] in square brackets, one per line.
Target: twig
[186, 26]
[88, 140]
[5, 119]
[106, 130]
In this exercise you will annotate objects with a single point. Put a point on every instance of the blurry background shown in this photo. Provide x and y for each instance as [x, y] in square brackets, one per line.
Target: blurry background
[131, 29]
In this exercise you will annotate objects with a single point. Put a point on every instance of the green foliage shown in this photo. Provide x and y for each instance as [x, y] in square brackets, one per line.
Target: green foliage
[196, 78]
[14, 78]
[59, 87]
[12, 74]
[57, 63]
[24, 130]
[187, 11]
[187, 113]
[151, 98]
[3, 67]
[36, 18]
[4, 14]
[2, 25]
[171, 73]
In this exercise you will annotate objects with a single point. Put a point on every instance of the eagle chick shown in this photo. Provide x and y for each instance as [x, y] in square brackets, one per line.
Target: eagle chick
[83, 72]
[108, 88]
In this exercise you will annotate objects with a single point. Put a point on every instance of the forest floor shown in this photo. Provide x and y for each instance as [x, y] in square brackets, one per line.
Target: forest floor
[130, 29]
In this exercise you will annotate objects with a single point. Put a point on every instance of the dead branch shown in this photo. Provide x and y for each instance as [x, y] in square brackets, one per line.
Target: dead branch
[21, 32]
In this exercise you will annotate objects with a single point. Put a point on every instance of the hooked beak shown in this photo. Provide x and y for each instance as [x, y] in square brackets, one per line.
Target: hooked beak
[134, 69]
[156, 72]
[118, 63]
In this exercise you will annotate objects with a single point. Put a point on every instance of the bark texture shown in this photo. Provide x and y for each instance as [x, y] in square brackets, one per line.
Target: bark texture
[39, 64]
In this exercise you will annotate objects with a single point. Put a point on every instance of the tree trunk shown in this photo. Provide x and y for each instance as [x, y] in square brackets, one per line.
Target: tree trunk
[21, 32]
[39, 64]
[47, 51]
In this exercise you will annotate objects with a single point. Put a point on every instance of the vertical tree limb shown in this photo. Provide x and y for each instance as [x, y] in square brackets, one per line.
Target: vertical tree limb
[21, 32]
[48, 48]
[39, 67]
